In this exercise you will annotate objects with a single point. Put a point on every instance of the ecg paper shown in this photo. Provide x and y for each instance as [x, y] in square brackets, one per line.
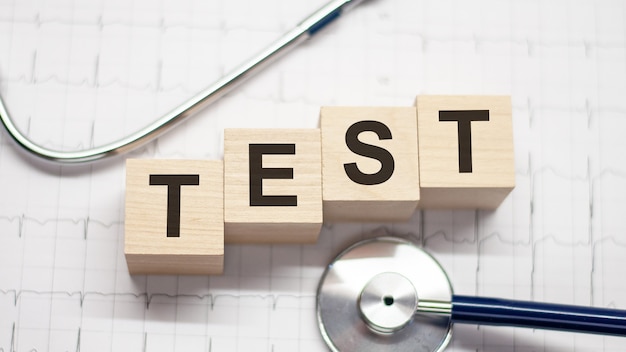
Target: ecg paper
[76, 74]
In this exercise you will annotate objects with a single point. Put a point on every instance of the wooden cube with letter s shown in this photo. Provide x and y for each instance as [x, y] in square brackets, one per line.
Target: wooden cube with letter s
[369, 163]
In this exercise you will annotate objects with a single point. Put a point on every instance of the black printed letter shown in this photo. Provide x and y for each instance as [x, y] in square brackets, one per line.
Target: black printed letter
[464, 119]
[173, 183]
[371, 151]
[258, 173]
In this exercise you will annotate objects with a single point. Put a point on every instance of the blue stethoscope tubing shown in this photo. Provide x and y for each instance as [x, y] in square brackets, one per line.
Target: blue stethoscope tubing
[537, 315]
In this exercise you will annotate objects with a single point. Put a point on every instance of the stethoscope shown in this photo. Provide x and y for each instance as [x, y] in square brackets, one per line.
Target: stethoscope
[387, 294]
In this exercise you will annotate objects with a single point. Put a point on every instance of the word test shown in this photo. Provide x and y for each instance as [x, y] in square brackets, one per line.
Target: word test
[363, 164]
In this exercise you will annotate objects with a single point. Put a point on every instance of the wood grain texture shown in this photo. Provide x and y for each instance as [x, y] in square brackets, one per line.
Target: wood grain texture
[492, 175]
[199, 249]
[392, 200]
[246, 223]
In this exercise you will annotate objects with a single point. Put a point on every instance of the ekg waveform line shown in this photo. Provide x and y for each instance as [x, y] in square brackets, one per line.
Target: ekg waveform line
[94, 79]
[23, 219]
[581, 107]
[12, 341]
[96, 82]
[144, 348]
[152, 149]
[84, 223]
[478, 240]
[479, 41]
[145, 334]
[210, 298]
[584, 109]
[163, 25]
[144, 343]
[534, 244]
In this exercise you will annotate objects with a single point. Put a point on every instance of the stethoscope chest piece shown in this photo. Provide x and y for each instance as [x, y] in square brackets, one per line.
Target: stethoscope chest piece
[387, 294]
[368, 296]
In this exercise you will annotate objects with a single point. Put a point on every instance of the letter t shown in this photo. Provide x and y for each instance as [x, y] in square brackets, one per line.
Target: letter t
[464, 119]
[173, 183]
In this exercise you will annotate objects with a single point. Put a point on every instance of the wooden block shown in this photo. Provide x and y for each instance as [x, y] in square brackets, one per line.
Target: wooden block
[466, 151]
[369, 163]
[273, 185]
[174, 217]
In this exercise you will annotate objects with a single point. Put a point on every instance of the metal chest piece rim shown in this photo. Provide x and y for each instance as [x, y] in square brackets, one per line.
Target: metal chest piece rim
[368, 295]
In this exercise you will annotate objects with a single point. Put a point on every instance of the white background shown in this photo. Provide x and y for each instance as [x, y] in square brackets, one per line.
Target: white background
[81, 73]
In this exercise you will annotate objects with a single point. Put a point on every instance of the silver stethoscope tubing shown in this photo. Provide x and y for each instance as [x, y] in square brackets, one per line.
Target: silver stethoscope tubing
[387, 294]
[221, 87]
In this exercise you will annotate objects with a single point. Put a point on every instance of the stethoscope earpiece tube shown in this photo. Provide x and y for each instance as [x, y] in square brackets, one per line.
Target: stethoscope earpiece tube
[537, 315]
[388, 292]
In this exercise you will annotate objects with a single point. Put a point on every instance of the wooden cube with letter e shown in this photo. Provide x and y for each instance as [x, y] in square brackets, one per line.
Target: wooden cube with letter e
[466, 151]
[272, 185]
[174, 216]
[369, 163]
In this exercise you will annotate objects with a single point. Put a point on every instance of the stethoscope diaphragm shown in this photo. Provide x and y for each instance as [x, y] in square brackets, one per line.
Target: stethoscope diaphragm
[367, 298]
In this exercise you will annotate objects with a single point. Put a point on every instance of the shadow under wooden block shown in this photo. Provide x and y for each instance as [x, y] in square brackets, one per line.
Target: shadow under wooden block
[272, 185]
[369, 163]
[466, 151]
[174, 217]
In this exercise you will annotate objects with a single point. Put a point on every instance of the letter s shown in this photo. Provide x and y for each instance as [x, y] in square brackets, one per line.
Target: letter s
[370, 151]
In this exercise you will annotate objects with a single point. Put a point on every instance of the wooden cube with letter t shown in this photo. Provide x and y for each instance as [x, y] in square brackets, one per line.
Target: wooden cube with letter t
[174, 216]
[273, 185]
[369, 163]
[466, 151]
